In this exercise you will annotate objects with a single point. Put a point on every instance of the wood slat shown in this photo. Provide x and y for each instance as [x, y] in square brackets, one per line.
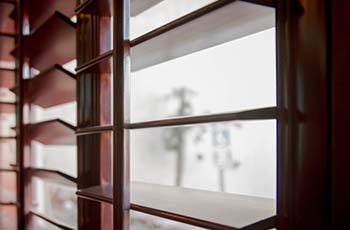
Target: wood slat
[93, 129]
[51, 220]
[7, 44]
[7, 25]
[104, 7]
[54, 176]
[7, 78]
[52, 87]
[213, 210]
[257, 114]
[204, 28]
[100, 64]
[46, 47]
[52, 132]
[9, 204]
[6, 107]
[39, 10]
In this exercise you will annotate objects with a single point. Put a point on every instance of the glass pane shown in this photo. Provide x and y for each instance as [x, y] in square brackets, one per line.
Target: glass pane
[237, 75]
[7, 153]
[8, 187]
[55, 201]
[232, 157]
[8, 217]
[151, 14]
[143, 221]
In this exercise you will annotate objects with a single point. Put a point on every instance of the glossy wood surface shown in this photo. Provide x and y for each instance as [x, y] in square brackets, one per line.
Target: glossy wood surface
[52, 132]
[100, 64]
[46, 47]
[52, 87]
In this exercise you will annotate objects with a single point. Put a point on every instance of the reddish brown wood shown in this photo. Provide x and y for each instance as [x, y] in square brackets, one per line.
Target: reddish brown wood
[7, 44]
[52, 132]
[100, 64]
[98, 7]
[52, 87]
[51, 175]
[340, 29]
[47, 47]
[7, 78]
[7, 25]
[100, 193]
[40, 11]
[6, 107]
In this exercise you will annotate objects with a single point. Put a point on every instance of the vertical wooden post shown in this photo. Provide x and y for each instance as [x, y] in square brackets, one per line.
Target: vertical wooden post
[121, 62]
[304, 127]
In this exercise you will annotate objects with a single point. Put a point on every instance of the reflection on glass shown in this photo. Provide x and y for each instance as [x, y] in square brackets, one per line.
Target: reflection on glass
[237, 75]
[55, 201]
[150, 14]
[141, 221]
[234, 157]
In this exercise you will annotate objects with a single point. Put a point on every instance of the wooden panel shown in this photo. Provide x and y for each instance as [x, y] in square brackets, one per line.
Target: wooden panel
[7, 107]
[201, 208]
[52, 87]
[52, 132]
[182, 37]
[100, 64]
[47, 47]
[52, 221]
[7, 25]
[52, 175]
[7, 78]
[7, 44]
[40, 11]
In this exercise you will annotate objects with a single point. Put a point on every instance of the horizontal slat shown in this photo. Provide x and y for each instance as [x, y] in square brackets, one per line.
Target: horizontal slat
[212, 210]
[7, 138]
[52, 132]
[258, 114]
[7, 107]
[7, 25]
[100, 64]
[98, 7]
[51, 220]
[39, 11]
[102, 193]
[7, 44]
[46, 47]
[93, 129]
[7, 78]
[207, 27]
[52, 175]
[9, 204]
[8, 170]
[104, 7]
[11, 35]
[52, 87]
